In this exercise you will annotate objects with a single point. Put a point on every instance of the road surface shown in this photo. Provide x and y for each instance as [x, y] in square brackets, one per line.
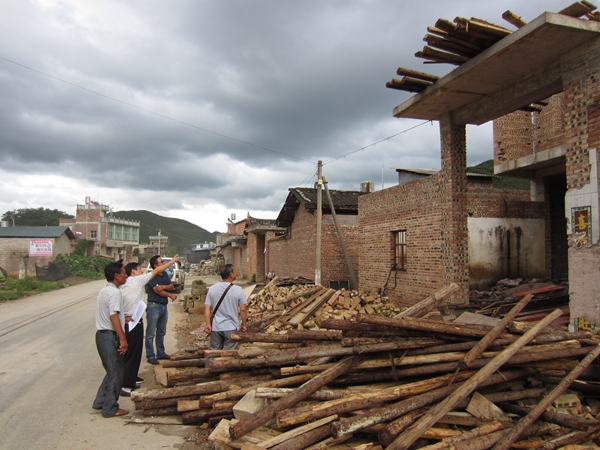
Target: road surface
[50, 372]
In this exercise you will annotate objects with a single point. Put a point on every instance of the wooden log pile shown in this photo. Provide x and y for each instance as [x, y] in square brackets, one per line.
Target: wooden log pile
[372, 381]
[304, 306]
[458, 41]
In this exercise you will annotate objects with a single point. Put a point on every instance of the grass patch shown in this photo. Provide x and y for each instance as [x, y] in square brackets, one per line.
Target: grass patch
[13, 288]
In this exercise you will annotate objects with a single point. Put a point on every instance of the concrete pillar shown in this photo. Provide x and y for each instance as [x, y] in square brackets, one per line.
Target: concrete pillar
[455, 235]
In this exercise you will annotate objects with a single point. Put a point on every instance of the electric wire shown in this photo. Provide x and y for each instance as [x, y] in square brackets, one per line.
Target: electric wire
[155, 113]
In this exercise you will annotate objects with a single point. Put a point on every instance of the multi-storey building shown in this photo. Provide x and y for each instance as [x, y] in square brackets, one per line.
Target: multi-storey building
[107, 235]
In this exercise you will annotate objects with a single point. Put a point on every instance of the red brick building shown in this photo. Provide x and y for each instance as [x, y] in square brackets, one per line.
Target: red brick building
[293, 253]
[401, 235]
[541, 85]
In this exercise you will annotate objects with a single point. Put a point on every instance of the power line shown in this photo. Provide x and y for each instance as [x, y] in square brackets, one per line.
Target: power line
[375, 143]
[204, 129]
[153, 112]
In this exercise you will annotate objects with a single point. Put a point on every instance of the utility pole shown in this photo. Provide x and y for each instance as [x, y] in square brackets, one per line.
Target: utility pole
[319, 222]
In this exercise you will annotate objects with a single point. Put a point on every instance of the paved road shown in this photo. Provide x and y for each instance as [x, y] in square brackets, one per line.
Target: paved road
[50, 372]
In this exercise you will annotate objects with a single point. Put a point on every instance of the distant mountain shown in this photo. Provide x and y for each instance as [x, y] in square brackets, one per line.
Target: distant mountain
[487, 167]
[181, 233]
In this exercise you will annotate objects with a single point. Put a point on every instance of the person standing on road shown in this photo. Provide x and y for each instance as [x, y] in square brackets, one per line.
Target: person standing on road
[133, 294]
[226, 318]
[110, 340]
[157, 315]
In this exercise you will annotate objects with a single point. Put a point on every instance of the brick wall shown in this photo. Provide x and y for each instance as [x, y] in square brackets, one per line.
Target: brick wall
[13, 250]
[414, 207]
[294, 255]
[513, 137]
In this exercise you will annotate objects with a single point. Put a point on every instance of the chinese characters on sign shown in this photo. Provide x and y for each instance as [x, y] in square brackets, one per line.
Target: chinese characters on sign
[40, 247]
[582, 225]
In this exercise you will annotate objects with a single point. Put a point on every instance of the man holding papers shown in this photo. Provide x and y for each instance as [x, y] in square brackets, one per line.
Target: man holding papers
[133, 307]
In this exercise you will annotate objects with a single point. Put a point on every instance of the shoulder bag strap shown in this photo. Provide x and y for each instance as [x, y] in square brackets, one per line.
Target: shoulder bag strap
[221, 299]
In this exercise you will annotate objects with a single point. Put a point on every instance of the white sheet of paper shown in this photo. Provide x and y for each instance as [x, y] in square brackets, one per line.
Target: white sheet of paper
[137, 314]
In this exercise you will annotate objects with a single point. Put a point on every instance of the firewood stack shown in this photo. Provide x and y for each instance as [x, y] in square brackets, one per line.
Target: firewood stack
[400, 382]
[457, 42]
[303, 306]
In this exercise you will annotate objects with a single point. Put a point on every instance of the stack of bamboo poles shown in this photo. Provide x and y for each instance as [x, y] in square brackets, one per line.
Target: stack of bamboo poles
[387, 382]
[457, 42]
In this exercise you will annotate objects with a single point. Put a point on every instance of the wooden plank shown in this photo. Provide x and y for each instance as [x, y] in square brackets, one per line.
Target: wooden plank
[263, 416]
[511, 436]
[481, 407]
[577, 9]
[513, 19]
[416, 74]
[406, 439]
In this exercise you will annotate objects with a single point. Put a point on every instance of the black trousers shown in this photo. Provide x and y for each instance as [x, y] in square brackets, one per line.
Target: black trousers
[133, 357]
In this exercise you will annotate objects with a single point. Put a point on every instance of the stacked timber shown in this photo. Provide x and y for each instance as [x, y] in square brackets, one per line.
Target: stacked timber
[400, 382]
[303, 306]
[461, 40]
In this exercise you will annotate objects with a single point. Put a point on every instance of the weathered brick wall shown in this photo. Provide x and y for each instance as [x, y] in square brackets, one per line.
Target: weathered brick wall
[579, 132]
[513, 137]
[521, 133]
[12, 250]
[414, 207]
[483, 200]
[294, 255]
[549, 129]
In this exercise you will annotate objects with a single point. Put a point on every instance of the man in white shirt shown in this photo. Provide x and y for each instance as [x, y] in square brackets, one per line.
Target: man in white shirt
[133, 294]
[110, 340]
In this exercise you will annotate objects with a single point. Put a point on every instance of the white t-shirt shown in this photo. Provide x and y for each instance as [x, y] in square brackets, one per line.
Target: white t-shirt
[133, 292]
[228, 316]
[108, 302]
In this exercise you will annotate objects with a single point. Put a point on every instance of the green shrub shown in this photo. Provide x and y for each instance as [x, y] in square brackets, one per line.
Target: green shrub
[91, 267]
[13, 288]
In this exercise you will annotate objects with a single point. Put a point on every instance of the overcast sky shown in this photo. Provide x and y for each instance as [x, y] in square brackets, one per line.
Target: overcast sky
[198, 109]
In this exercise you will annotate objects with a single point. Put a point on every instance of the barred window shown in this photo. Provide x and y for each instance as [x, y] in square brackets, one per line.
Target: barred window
[400, 249]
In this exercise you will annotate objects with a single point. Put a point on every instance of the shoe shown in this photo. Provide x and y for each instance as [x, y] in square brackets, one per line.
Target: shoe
[125, 393]
[121, 412]
[153, 361]
[139, 380]
[165, 356]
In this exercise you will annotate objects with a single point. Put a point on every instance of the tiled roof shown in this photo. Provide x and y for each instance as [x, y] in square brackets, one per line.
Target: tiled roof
[344, 202]
[254, 224]
[35, 232]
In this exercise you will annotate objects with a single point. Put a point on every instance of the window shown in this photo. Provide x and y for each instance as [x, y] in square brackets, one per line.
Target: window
[400, 249]
[111, 231]
[118, 232]
[127, 231]
[134, 234]
[93, 234]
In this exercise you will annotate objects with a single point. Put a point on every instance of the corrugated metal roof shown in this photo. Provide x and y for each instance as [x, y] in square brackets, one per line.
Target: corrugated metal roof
[35, 232]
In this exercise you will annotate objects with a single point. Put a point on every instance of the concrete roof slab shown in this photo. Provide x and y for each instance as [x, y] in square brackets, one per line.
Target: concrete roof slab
[538, 44]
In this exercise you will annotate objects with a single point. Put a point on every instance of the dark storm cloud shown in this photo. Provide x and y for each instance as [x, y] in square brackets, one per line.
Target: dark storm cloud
[215, 105]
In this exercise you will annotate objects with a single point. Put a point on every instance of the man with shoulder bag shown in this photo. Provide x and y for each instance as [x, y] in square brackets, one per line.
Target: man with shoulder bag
[224, 304]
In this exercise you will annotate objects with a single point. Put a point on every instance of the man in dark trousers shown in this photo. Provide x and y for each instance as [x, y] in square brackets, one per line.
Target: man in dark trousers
[226, 318]
[110, 340]
[133, 294]
[157, 314]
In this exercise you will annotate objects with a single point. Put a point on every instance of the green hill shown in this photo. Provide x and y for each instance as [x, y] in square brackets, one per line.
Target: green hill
[487, 167]
[181, 233]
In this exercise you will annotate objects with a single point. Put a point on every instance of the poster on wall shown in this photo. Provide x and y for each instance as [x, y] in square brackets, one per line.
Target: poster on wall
[581, 218]
[40, 247]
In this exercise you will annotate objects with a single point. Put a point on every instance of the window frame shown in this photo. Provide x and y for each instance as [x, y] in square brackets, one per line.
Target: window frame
[400, 250]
